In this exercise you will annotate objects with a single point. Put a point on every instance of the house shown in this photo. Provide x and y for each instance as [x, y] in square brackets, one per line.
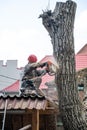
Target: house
[81, 58]
[9, 73]
[81, 68]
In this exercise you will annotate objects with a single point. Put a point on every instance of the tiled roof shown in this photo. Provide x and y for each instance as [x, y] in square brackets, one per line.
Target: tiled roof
[81, 62]
[81, 58]
[49, 58]
[22, 102]
[46, 78]
[14, 87]
[27, 102]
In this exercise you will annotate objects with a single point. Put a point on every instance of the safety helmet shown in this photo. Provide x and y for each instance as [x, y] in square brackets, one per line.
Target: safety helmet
[32, 58]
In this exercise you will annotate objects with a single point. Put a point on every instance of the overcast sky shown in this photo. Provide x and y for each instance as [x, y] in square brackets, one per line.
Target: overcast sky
[22, 33]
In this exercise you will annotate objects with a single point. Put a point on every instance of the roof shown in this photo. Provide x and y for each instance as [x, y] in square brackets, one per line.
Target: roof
[81, 58]
[46, 78]
[81, 62]
[23, 102]
[13, 87]
[20, 102]
[46, 58]
[49, 58]
[83, 50]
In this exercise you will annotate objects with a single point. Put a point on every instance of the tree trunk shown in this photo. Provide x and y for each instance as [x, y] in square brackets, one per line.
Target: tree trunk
[51, 122]
[60, 25]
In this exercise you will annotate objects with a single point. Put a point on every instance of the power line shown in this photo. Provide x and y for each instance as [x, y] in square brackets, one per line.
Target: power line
[8, 77]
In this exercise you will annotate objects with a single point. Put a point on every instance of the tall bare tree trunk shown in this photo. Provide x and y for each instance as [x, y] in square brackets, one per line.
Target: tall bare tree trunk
[60, 25]
[51, 122]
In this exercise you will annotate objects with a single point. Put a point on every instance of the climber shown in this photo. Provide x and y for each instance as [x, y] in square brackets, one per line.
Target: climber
[31, 74]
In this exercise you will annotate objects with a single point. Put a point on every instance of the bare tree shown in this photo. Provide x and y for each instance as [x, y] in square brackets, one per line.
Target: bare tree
[60, 26]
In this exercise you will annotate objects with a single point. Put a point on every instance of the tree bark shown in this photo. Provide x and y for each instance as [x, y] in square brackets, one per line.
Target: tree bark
[60, 26]
[51, 122]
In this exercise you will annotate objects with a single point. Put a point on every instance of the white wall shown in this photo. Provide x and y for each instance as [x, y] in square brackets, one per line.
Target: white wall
[9, 73]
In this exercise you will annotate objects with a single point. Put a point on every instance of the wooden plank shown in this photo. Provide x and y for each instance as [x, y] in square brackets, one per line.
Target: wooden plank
[35, 120]
[47, 112]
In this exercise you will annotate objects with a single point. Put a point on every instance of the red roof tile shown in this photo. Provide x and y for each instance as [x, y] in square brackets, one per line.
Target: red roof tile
[81, 58]
[81, 62]
[17, 103]
[13, 88]
[49, 58]
[46, 78]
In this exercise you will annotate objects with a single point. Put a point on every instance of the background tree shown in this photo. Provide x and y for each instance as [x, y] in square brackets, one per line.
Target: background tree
[60, 26]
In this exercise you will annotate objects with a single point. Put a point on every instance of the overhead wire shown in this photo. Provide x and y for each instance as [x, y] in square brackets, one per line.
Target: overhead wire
[8, 77]
[4, 82]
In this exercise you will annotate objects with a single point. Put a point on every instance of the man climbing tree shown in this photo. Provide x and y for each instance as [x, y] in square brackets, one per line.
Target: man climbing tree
[32, 75]
[60, 26]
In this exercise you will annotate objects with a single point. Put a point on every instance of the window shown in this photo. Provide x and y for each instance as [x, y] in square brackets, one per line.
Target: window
[81, 87]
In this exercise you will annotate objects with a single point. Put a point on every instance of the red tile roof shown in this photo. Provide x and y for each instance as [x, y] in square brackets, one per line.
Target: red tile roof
[49, 58]
[81, 62]
[17, 103]
[27, 102]
[81, 58]
[46, 78]
[13, 88]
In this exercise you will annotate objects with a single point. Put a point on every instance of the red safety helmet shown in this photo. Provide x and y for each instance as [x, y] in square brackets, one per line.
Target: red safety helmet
[32, 58]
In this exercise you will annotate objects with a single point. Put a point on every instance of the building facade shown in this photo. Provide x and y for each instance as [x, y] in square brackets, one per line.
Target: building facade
[9, 73]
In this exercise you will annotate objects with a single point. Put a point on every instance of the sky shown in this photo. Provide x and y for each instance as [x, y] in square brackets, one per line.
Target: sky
[22, 32]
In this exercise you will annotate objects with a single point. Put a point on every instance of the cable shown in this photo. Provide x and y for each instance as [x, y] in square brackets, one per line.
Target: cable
[8, 77]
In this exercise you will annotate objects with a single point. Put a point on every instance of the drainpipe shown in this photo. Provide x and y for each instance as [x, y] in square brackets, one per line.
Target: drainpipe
[25, 127]
[4, 116]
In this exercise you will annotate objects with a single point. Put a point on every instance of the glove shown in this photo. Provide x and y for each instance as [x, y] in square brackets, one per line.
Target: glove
[43, 64]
